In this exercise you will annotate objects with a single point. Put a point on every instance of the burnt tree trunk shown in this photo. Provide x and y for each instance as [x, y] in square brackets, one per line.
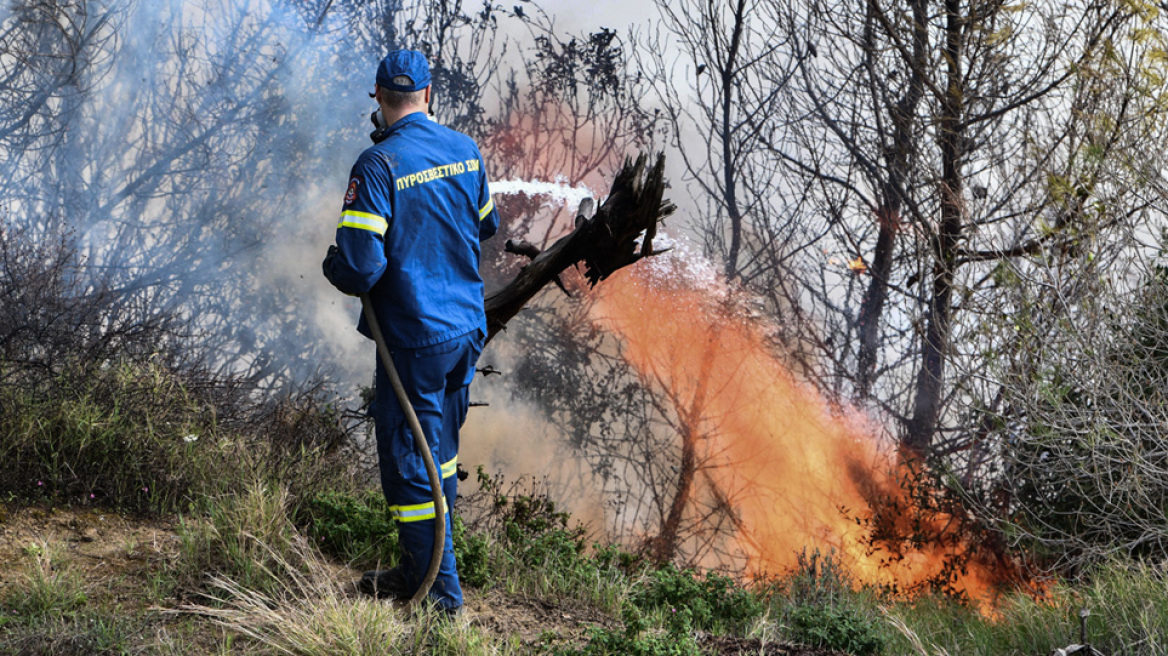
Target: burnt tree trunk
[606, 242]
[899, 157]
[663, 547]
[931, 375]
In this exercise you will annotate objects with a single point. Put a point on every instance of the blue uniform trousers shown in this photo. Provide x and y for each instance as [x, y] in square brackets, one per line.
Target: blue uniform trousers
[436, 379]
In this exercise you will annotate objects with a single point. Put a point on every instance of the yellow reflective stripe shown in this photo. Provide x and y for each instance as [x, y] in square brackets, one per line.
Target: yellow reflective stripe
[415, 513]
[450, 468]
[363, 221]
[487, 209]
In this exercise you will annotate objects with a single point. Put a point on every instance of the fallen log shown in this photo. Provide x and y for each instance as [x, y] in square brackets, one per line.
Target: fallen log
[605, 242]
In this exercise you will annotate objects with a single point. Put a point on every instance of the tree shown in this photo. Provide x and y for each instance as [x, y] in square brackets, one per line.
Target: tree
[1082, 451]
[917, 144]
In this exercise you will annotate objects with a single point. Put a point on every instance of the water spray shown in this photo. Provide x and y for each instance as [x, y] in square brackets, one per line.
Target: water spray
[559, 191]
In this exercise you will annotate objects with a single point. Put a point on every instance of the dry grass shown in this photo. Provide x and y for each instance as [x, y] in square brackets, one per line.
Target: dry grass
[300, 608]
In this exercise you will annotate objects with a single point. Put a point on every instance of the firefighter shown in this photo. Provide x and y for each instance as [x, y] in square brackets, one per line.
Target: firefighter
[415, 210]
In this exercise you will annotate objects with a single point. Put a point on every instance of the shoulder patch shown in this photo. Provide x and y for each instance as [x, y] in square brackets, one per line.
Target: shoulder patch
[351, 194]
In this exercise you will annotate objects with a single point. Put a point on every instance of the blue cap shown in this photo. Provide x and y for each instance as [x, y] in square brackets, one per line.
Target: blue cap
[404, 70]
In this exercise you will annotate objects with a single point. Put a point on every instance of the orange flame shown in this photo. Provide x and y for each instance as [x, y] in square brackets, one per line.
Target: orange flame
[798, 472]
[857, 265]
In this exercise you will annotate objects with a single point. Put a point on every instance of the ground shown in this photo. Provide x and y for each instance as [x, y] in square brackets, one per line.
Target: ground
[123, 563]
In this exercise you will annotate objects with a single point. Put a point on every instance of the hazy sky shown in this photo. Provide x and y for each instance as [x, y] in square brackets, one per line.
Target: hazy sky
[613, 14]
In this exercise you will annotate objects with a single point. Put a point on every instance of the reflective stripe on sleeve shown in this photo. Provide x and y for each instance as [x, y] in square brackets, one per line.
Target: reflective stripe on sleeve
[363, 221]
[415, 513]
[450, 468]
[487, 209]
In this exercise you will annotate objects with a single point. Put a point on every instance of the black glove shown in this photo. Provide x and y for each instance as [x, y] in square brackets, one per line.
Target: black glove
[327, 265]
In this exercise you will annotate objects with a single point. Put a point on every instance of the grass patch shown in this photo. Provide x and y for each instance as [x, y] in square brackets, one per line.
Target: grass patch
[46, 587]
[247, 538]
[1129, 615]
[307, 612]
[79, 634]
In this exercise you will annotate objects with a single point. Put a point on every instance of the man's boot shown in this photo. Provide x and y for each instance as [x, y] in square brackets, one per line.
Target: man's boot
[386, 583]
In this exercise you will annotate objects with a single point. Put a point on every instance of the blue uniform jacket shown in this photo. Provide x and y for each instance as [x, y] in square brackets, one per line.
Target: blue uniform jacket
[415, 210]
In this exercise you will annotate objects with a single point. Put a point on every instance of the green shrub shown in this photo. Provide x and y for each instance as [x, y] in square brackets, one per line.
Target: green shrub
[636, 639]
[472, 551]
[355, 528]
[817, 579]
[533, 546]
[835, 627]
[715, 602]
[359, 529]
[818, 604]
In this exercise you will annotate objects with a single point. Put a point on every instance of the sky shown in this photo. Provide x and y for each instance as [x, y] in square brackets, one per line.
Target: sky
[613, 14]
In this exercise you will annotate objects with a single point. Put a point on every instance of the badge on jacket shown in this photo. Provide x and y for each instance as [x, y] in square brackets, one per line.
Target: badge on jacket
[351, 194]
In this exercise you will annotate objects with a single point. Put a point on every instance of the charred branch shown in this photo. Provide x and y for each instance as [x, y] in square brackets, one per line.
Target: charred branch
[619, 234]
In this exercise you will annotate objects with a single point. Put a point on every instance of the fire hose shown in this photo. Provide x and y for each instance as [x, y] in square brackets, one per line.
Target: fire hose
[422, 445]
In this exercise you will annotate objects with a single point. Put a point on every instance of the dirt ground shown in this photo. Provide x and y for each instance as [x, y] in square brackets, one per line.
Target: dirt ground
[118, 558]
[123, 563]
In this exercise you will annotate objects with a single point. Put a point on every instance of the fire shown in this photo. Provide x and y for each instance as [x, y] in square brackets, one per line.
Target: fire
[857, 265]
[797, 472]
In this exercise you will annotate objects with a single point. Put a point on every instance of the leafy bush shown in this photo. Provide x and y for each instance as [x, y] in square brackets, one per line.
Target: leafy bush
[817, 604]
[472, 551]
[359, 529]
[836, 627]
[637, 640]
[715, 602]
[355, 528]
